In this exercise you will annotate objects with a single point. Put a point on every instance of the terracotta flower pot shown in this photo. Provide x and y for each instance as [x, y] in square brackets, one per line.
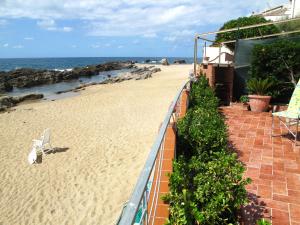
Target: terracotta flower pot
[259, 103]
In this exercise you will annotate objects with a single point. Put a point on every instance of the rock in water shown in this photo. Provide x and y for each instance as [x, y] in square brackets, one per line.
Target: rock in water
[32, 77]
[9, 101]
[165, 62]
[179, 61]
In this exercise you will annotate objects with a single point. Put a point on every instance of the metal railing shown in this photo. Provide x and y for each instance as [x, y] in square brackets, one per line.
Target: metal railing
[138, 210]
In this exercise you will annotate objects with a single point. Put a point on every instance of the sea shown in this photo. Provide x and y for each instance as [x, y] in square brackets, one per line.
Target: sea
[68, 63]
[7, 64]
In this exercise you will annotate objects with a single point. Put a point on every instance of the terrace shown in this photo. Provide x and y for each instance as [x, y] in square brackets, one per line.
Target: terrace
[206, 184]
[273, 164]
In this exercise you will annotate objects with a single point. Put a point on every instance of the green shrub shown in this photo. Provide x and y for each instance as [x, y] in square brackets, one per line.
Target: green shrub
[263, 222]
[244, 99]
[206, 186]
[246, 33]
[206, 192]
[279, 61]
[260, 86]
[202, 131]
[202, 95]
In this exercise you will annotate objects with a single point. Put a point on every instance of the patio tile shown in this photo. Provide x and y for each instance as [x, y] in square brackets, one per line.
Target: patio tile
[280, 217]
[273, 164]
[264, 191]
[280, 188]
[295, 212]
[266, 169]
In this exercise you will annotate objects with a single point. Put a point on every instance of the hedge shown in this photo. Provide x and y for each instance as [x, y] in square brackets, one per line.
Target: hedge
[206, 186]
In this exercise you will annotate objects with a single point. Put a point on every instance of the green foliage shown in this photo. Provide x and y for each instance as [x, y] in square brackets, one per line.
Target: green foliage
[260, 86]
[206, 186]
[263, 222]
[202, 95]
[204, 131]
[279, 61]
[289, 26]
[244, 99]
[247, 33]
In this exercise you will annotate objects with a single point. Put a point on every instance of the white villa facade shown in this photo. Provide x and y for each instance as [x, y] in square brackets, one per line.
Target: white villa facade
[286, 11]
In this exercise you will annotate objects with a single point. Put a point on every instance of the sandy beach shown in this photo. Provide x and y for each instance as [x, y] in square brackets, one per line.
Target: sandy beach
[103, 137]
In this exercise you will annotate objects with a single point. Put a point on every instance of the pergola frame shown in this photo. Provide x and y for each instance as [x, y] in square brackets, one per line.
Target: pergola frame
[202, 36]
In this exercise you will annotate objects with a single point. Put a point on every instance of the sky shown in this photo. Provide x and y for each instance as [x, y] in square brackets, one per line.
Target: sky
[113, 28]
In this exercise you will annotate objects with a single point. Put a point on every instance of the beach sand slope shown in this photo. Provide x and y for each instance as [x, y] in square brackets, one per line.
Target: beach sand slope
[102, 139]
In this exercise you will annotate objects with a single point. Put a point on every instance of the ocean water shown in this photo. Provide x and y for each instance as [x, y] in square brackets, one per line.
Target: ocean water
[49, 90]
[68, 63]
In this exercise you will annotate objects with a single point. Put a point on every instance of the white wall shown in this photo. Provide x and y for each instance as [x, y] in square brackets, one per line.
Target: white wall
[213, 53]
[297, 8]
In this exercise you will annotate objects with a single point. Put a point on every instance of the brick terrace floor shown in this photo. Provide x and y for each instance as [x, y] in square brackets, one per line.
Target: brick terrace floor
[273, 164]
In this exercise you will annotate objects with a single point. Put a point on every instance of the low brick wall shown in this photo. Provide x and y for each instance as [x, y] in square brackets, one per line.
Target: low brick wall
[169, 152]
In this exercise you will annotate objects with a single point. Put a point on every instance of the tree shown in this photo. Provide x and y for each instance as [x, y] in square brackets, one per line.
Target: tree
[247, 33]
[279, 61]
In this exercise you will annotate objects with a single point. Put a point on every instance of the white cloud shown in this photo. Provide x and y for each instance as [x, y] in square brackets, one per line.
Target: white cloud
[150, 35]
[5, 45]
[73, 46]
[95, 46]
[185, 35]
[107, 45]
[50, 24]
[18, 46]
[46, 24]
[120, 46]
[148, 18]
[28, 38]
[67, 29]
[170, 38]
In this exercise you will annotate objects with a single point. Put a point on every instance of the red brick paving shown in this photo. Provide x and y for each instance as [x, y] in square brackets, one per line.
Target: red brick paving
[273, 164]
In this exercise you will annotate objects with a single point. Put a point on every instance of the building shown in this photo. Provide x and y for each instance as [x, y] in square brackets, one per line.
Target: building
[286, 11]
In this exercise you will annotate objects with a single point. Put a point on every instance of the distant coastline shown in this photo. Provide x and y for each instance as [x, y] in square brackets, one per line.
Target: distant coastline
[8, 64]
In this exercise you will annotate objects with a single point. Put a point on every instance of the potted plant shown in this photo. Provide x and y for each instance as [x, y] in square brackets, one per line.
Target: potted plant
[259, 93]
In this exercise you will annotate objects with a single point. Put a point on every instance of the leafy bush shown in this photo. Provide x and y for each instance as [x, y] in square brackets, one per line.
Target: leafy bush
[263, 222]
[244, 99]
[260, 86]
[247, 33]
[210, 194]
[202, 95]
[279, 61]
[206, 186]
[203, 131]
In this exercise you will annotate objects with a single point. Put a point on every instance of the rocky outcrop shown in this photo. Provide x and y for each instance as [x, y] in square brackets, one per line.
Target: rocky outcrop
[137, 74]
[179, 61]
[165, 62]
[30, 77]
[10, 101]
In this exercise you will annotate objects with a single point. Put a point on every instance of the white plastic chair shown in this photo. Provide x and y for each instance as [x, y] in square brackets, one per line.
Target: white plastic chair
[40, 144]
[32, 157]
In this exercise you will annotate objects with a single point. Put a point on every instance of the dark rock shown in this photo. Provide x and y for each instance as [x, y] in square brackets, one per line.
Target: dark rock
[31, 97]
[165, 62]
[137, 74]
[147, 60]
[9, 101]
[179, 61]
[30, 77]
[155, 70]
